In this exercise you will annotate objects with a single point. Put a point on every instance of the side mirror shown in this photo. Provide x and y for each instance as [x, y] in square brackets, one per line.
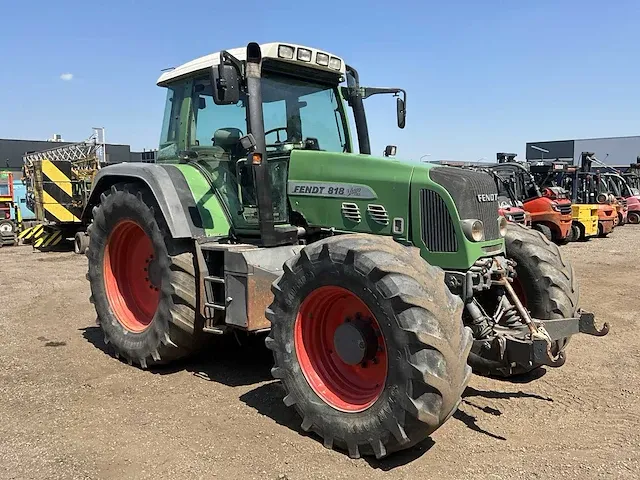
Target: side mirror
[390, 151]
[225, 84]
[401, 111]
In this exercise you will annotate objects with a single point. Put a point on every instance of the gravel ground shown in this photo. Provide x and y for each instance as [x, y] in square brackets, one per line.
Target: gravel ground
[68, 410]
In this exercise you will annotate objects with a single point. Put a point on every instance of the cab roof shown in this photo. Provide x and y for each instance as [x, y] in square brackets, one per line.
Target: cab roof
[269, 50]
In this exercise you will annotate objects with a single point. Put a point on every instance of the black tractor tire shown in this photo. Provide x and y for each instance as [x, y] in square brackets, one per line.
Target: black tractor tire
[546, 278]
[544, 230]
[80, 243]
[419, 320]
[170, 333]
[633, 218]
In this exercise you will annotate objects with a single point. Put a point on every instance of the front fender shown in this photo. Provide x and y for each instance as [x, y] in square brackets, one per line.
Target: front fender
[165, 182]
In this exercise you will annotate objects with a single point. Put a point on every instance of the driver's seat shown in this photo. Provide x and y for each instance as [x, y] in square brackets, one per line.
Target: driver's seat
[227, 141]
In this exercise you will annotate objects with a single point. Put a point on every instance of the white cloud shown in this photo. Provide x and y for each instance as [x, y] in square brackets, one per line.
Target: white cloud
[67, 77]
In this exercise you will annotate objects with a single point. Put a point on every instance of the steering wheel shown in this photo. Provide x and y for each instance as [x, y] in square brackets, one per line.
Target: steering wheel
[277, 129]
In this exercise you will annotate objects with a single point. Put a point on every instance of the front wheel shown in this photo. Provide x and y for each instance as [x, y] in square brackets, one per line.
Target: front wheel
[545, 281]
[142, 281]
[368, 343]
[633, 218]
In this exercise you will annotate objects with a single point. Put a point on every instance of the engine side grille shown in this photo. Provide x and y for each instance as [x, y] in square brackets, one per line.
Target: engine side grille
[379, 214]
[438, 233]
[351, 211]
[469, 191]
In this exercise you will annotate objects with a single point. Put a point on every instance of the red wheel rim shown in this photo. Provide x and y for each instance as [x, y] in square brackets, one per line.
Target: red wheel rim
[346, 387]
[129, 262]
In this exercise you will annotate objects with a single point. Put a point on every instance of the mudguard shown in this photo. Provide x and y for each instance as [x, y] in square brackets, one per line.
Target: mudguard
[168, 186]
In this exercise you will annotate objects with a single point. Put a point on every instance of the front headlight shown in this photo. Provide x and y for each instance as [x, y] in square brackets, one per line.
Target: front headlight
[502, 226]
[473, 229]
[555, 207]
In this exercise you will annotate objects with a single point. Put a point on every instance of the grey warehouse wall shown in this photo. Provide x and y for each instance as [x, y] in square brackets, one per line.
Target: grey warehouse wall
[618, 151]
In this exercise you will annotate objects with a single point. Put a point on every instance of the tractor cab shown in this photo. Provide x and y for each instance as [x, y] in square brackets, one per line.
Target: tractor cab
[241, 125]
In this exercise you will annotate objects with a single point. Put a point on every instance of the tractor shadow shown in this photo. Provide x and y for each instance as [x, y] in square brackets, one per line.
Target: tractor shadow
[471, 421]
[267, 400]
[232, 361]
[236, 362]
[95, 337]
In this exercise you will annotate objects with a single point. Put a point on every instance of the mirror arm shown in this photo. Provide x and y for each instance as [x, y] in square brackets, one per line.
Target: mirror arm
[369, 91]
[227, 59]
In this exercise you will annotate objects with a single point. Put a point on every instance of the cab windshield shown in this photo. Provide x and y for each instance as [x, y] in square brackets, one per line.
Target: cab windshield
[298, 114]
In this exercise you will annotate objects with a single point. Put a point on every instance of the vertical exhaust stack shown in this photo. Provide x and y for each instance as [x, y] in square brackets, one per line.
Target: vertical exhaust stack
[258, 157]
[271, 235]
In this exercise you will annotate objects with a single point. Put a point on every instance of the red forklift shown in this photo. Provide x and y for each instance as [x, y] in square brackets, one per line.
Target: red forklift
[549, 209]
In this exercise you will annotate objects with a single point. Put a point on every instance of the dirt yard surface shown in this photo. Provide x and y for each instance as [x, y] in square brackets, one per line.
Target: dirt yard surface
[69, 410]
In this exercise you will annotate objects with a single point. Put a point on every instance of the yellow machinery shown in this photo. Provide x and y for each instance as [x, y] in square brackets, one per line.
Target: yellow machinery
[585, 218]
[58, 184]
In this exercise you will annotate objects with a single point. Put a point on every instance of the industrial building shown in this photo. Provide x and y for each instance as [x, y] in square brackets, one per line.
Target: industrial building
[614, 151]
[11, 152]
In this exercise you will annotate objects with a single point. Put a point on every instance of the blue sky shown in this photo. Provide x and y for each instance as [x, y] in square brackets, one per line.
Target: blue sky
[481, 76]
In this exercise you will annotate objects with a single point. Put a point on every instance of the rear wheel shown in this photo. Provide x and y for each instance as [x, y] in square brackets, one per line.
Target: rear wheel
[368, 343]
[142, 281]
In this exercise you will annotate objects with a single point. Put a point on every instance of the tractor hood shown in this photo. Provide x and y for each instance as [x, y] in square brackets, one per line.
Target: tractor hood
[420, 204]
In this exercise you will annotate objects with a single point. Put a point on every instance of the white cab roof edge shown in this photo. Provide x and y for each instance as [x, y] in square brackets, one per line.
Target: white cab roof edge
[269, 50]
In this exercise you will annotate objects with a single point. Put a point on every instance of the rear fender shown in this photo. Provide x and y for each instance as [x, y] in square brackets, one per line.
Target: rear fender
[167, 185]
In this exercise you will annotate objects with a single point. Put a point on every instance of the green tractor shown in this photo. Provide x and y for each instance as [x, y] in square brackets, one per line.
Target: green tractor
[381, 284]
